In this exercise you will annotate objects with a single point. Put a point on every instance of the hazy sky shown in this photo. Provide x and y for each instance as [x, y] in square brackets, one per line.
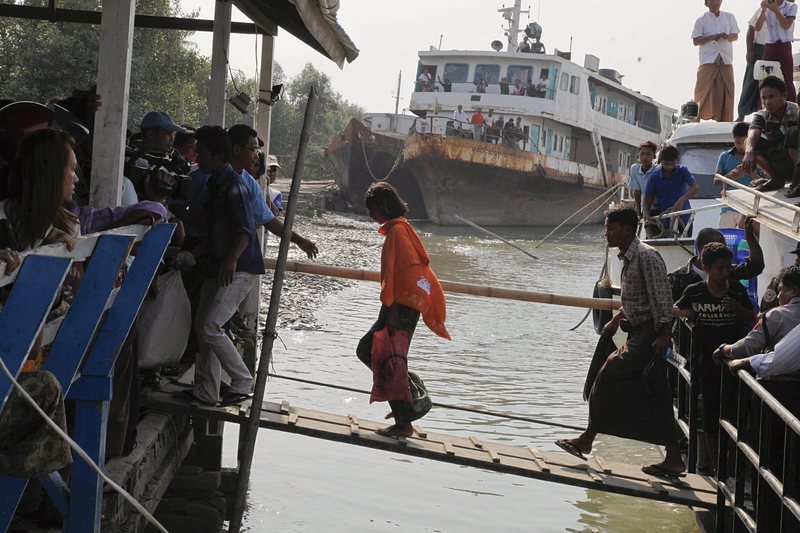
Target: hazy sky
[646, 40]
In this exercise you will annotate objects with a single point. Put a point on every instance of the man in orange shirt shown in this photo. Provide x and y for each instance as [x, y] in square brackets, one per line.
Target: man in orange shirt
[478, 123]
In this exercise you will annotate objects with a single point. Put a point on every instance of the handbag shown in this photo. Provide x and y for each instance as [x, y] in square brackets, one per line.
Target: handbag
[164, 324]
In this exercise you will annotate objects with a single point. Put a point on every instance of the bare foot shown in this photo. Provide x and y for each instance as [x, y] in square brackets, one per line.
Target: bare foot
[397, 430]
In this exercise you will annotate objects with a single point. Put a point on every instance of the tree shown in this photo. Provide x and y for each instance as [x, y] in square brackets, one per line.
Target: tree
[41, 59]
[333, 114]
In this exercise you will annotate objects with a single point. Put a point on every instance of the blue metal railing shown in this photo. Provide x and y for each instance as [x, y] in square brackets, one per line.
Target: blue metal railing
[91, 333]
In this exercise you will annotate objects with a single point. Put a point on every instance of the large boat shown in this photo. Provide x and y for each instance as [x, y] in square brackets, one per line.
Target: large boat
[368, 150]
[575, 133]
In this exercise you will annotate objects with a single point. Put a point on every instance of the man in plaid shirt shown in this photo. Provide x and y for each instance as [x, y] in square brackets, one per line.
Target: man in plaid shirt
[631, 397]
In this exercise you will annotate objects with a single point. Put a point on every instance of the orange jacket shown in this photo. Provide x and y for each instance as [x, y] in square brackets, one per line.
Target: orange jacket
[406, 275]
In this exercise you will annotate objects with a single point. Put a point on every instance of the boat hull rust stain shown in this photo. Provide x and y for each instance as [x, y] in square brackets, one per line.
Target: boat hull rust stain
[500, 186]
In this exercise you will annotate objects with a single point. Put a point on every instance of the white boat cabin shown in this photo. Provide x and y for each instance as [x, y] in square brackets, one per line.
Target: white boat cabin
[559, 117]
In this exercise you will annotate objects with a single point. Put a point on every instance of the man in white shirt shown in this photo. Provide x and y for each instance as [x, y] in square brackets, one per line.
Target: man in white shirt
[749, 99]
[460, 118]
[715, 33]
[778, 17]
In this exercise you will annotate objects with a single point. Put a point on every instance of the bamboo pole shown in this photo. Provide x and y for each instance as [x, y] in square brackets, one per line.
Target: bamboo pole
[268, 339]
[452, 286]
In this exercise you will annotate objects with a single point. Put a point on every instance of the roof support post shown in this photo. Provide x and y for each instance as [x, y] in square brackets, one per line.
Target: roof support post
[264, 111]
[113, 86]
[219, 63]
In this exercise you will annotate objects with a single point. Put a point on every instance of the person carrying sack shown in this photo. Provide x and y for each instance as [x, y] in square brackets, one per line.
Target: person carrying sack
[409, 288]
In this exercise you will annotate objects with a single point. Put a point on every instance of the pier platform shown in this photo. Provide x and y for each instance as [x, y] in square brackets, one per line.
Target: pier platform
[556, 467]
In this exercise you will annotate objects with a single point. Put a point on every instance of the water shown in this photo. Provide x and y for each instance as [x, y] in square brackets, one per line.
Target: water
[505, 356]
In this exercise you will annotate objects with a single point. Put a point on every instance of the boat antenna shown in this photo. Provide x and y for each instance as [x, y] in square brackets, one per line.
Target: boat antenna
[441, 36]
[397, 96]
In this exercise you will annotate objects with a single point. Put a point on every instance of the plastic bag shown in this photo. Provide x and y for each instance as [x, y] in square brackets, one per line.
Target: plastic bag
[164, 323]
[390, 367]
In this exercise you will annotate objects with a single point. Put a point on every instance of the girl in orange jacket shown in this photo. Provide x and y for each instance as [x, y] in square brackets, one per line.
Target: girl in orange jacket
[409, 288]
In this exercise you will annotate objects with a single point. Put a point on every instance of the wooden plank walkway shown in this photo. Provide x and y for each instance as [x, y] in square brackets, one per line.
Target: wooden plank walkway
[558, 467]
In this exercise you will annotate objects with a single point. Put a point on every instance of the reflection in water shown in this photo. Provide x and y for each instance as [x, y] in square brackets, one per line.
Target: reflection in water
[505, 356]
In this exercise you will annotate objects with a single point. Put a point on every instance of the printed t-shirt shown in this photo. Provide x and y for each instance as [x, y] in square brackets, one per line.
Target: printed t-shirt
[774, 129]
[718, 324]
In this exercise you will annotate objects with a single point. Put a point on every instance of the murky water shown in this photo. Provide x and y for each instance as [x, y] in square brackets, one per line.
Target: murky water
[505, 356]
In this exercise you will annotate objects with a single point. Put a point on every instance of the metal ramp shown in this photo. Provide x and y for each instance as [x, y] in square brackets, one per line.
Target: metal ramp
[556, 467]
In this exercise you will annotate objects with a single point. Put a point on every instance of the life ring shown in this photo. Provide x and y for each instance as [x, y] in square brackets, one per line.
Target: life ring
[600, 317]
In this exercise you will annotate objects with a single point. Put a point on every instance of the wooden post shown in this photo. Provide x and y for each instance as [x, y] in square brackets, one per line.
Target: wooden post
[219, 63]
[113, 86]
[246, 461]
[264, 112]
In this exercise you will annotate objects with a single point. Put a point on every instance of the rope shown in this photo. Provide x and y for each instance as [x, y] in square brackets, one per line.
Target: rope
[436, 404]
[496, 236]
[606, 193]
[369, 169]
[587, 217]
[82, 454]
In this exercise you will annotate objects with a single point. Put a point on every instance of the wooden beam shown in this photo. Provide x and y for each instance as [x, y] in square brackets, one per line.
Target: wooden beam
[78, 16]
[113, 86]
[219, 63]
[264, 111]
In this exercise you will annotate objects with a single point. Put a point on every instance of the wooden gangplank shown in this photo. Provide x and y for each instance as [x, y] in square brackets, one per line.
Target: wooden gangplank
[557, 467]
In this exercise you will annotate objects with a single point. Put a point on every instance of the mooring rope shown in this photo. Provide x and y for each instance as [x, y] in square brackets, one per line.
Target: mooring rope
[436, 404]
[603, 196]
[369, 169]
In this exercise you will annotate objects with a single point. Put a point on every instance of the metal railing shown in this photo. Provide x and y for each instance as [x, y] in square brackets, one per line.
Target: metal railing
[757, 485]
[758, 448]
[469, 87]
[448, 126]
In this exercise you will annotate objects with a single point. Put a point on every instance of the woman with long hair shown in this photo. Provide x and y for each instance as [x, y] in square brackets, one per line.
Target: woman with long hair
[408, 288]
[41, 183]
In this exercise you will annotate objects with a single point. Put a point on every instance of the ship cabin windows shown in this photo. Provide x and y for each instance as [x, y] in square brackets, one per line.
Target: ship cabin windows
[574, 84]
[564, 85]
[425, 86]
[490, 73]
[519, 72]
[457, 73]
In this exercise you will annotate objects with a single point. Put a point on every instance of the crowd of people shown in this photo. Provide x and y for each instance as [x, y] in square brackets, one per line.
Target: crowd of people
[205, 181]
[482, 82]
[488, 128]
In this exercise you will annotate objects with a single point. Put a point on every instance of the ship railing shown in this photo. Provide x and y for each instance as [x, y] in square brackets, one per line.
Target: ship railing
[758, 441]
[491, 88]
[83, 346]
[449, 127]
[769, 210]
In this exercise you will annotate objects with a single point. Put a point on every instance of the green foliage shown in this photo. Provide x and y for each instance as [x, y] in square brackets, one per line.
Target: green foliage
[40, 60]
[168, 73]
[333, 114]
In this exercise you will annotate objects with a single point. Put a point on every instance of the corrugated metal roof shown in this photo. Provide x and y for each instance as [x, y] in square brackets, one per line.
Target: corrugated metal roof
[312, 21]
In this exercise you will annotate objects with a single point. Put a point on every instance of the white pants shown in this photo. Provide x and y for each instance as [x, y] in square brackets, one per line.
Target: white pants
[217, 306]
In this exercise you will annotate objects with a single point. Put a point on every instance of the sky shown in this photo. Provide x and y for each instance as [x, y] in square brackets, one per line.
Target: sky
[648, 41]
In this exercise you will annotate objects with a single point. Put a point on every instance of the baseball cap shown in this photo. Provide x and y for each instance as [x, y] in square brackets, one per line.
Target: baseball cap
[159, 119]
[272, 161]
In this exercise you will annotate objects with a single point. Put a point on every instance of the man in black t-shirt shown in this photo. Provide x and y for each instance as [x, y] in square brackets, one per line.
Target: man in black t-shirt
[722, 311]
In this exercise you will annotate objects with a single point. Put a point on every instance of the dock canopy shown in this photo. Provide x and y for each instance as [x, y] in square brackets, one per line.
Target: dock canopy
[312, 21]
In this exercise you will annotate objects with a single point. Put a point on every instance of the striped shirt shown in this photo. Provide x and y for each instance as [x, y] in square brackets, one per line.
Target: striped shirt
[646, 294]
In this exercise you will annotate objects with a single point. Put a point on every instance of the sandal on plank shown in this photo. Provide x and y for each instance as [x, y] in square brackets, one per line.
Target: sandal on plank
[234, 398]
[570, 448]
[658, 470]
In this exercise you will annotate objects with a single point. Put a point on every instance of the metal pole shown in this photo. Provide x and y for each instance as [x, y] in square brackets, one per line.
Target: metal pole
[268, 340]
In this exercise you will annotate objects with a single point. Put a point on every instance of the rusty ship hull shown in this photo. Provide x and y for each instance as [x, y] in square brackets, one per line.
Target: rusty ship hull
[493, 185]
[360, 156]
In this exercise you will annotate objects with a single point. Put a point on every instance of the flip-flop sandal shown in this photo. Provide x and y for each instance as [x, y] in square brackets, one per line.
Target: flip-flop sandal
[234, 398]
[570, 448]
[658, 470]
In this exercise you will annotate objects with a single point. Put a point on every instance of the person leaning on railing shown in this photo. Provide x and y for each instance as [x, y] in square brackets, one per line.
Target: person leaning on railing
[772, 349]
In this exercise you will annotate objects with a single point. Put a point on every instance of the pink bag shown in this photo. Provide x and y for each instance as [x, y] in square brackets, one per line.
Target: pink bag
[390, 367]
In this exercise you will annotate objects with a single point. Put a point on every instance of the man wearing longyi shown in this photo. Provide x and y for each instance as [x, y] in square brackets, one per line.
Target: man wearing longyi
[631, 397]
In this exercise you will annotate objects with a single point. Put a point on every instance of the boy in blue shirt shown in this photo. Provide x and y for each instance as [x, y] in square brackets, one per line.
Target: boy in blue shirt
[668, 189]
[729, 165]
